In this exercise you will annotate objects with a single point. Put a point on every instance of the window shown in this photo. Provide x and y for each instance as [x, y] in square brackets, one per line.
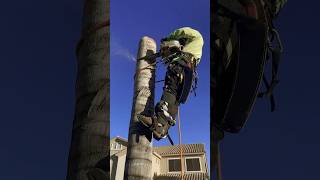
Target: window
[193, 164]
[174, 165]
[117, 146]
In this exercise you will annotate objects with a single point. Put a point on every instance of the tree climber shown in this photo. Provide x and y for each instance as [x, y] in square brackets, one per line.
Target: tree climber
[181, 51]
[244, 37]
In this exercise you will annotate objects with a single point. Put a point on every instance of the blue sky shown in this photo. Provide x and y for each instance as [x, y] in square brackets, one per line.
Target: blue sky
[130, 20]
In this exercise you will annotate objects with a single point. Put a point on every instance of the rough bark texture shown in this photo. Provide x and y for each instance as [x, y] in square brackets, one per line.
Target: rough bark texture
[139, 154]
[89, 151]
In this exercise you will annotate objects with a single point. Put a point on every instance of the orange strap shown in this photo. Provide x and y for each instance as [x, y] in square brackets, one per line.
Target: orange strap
[180, 144]
[219, 171]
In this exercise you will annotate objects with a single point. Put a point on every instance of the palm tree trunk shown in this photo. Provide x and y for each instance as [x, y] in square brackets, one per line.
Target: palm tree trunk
[89, 150]
[139, 153]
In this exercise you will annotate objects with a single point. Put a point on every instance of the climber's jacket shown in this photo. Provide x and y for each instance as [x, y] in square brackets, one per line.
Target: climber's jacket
[191, 41]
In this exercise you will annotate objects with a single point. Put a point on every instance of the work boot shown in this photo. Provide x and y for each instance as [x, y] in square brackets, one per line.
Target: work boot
[160, 123]
[159, 129]
[145, 120]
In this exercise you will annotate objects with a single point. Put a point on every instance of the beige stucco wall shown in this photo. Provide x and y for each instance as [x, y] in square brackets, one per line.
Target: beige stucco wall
[121, 159]
[156, 164]
[165, 163]
[159, 163]
[120, 168]
[118, 142]
[204, 164]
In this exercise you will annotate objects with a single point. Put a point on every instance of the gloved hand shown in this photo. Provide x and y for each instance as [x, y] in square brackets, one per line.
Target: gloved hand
[167, 51]
[168, 48]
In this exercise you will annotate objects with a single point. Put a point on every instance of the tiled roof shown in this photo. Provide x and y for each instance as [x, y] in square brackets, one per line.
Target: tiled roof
[187, 176]
[174, 150]
[121, 139]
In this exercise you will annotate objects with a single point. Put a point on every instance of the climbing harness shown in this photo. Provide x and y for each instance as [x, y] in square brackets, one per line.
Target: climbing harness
[247, 44]
[245, 71]
[275, 51]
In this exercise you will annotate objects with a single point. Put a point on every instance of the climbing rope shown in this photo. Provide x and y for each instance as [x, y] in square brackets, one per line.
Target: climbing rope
[180, 144]
[216, 156]
[150, 66]
[217, 159]
[219, 172]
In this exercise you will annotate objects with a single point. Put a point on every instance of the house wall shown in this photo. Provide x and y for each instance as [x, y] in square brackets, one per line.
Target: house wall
[165, 163]
[117, 145]
[117, 165]
[120, 167]
[156, 165]
[204, 164]
[159, 163]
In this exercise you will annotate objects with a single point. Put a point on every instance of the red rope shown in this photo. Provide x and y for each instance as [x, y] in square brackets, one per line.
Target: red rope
[219, 171]
[180, 144]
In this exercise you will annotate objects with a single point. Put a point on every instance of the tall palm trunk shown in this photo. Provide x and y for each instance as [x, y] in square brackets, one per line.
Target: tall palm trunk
[89, 151]
[139, 153]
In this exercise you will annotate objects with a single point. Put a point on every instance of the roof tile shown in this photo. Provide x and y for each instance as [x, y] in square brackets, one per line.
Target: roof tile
[187, 176]
[173, 150]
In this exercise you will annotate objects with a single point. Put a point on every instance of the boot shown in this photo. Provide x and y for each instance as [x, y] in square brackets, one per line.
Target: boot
[159, 130]
[160, 123]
